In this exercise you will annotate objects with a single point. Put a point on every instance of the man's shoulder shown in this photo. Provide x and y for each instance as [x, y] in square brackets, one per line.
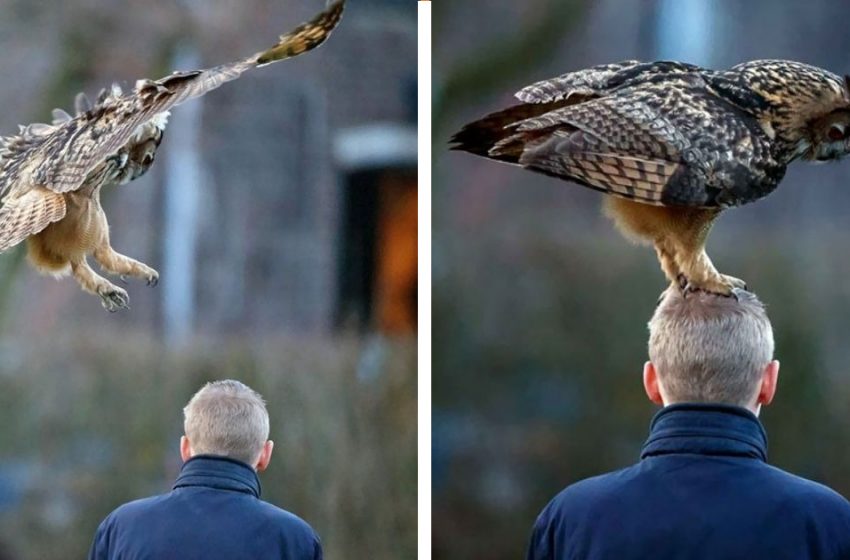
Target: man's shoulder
[595, 490]
[283, 517]
[133, 509]
[803, 496]
[591, 498]
[810, 496]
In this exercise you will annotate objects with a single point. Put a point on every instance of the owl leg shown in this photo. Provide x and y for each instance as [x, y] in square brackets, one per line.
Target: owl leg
[702, 275]
[112, 297]
[692, 260]
[667, 258]
[116, 263]
[642, 223]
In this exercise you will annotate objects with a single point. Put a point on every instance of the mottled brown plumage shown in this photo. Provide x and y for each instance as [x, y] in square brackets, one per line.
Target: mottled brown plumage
[51, 175]
[675, 144]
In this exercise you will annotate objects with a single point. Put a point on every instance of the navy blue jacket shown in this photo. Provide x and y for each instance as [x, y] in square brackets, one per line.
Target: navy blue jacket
[702, 490]
[214, 511]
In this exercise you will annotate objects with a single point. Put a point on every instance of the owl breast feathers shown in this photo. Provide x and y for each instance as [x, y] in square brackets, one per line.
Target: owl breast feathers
[686, 140]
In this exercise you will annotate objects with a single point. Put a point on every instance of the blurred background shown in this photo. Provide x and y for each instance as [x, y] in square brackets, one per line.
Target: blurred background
[281, 215]
[540, 307]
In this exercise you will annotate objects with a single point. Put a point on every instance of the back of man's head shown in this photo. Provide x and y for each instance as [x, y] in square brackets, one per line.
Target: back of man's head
[709, 348]
[228, 419]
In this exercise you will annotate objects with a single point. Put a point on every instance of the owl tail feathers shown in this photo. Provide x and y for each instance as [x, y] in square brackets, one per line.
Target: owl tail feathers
[303, 38]
[476, 138]
[496, 137]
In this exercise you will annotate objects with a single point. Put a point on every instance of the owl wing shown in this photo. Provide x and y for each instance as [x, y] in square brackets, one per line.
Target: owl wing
[674, 145]
[546, 96]
[28, 214]
[480, 136]
[601, 79]
[24, 211]
[73, 148]
[44, 161]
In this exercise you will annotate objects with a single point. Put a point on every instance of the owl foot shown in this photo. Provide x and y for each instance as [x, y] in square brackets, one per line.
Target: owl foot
[152, 277]
[149, 275]
[124, 267]
[113, 298]
[724, 285]
[734, 282]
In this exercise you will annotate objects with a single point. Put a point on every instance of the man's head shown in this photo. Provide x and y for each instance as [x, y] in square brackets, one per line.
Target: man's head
[228, 419]
[711, 349]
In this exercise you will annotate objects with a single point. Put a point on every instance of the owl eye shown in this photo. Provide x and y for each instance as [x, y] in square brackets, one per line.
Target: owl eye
[836, 132]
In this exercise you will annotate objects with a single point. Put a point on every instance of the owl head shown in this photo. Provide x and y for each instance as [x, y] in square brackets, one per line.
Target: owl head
[828, 135]
[142, 146]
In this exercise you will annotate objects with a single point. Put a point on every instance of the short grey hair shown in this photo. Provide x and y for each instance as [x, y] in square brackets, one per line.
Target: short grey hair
[710, 348]
[229, 419]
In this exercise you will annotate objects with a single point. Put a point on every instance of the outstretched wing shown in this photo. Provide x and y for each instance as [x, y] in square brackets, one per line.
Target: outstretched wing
[74, 148]
[45, 161]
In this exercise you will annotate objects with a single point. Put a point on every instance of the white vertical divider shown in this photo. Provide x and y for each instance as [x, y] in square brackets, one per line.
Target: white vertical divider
[182, 203]
[424, 330]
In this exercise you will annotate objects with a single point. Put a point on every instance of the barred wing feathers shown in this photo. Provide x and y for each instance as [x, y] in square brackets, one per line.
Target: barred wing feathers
[667, 142]
[30, 213]
[602, 79]
[84, 142]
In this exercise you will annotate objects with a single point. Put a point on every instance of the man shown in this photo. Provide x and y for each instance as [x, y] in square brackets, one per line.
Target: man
[702, 488]
[214, 510]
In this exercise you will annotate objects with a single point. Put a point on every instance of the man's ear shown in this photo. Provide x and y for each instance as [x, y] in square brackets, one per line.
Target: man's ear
[185, 449]
[265, 456]
[769, 379]
[650, 384]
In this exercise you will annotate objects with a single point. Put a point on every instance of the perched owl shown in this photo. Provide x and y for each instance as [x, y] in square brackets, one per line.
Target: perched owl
[51, 175]
[675, 144]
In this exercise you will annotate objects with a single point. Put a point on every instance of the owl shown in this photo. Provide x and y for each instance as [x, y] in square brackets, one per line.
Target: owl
[51, 176]
[673, 144]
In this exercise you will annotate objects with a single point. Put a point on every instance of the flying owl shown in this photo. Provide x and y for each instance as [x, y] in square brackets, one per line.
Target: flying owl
[51, 176]
[673, 143]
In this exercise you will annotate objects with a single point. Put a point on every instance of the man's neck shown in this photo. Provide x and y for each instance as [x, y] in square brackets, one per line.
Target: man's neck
[755, 408]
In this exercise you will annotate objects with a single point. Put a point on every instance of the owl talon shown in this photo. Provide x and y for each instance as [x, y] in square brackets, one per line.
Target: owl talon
[689, 288]
[721, 291]
[734, 283]
[114, 299]
[152, 278]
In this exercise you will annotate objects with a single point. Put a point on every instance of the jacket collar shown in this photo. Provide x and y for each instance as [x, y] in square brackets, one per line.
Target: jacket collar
[706, 429]
[221, 473]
